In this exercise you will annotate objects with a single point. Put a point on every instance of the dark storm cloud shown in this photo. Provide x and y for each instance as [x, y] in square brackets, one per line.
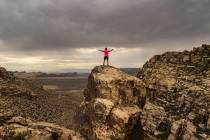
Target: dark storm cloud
[60, 24]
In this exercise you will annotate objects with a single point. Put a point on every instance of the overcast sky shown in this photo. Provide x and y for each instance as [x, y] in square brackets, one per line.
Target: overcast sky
[58, 35]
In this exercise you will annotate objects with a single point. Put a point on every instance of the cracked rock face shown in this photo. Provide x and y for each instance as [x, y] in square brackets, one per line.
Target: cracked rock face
[112, 105]
[178, 99]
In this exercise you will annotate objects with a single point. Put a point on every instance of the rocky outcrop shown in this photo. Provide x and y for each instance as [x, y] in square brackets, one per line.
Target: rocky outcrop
[4, 74]
[178, 98]
[18, 128]
[112, 106]
[12, 86]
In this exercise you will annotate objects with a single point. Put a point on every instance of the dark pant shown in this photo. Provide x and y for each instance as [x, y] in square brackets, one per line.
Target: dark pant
[106, 58]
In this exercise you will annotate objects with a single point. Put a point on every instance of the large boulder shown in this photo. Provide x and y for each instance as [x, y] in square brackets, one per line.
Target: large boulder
[178, 85]
[18, 128]
[112, 105]
[111, 83]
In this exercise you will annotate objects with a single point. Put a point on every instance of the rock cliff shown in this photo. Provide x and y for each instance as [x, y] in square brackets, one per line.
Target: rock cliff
[176, 86]
[112, 106]
[178, 98]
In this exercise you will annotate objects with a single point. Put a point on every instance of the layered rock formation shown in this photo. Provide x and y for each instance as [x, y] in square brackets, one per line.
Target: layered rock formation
[112, 106]
[178, 98]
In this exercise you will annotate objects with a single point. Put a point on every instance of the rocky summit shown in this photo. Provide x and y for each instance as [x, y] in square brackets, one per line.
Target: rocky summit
[112, 106]
[168, 100]
[178, 95]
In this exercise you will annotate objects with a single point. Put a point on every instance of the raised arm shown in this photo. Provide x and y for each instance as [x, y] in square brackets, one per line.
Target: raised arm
[101, 50]
[111, 50]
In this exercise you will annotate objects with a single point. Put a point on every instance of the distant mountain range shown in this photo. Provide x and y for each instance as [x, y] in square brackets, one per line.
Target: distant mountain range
[44, 75]
[84, 73]
[131, 71]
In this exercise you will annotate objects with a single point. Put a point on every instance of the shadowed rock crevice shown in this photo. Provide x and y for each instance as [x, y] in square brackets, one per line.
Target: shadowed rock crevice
[137, 133]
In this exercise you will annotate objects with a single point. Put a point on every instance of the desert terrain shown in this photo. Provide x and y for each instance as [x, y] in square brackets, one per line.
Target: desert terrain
[64, 94]
[167, 100]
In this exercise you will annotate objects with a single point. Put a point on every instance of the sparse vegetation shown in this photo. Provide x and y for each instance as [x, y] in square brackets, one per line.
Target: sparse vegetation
[9, 133]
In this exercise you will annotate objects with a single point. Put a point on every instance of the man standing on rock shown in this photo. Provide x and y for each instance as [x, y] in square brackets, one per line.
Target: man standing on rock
[106, 55]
